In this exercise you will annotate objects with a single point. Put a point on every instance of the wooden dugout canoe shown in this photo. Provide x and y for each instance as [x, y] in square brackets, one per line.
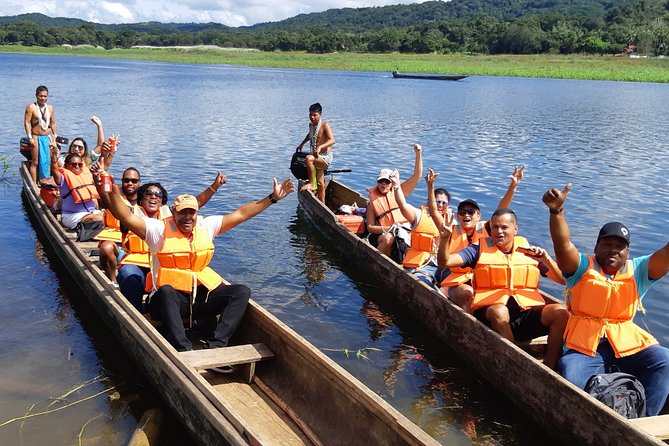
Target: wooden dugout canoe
[437, 77]
[561, 408]
[297, 396]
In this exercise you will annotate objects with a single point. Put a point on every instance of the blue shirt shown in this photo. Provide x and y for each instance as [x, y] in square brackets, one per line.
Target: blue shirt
[640, 265]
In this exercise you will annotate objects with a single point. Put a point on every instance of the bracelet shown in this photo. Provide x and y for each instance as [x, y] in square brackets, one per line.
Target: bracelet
[556, 211]
[212, 189]
[271, 198]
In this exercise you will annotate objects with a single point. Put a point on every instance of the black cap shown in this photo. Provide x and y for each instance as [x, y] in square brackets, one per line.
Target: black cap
[615, 229]
[468, 201]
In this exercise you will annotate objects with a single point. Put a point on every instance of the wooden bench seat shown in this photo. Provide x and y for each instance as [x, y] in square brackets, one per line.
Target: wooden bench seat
[657, 426]
[247, 354]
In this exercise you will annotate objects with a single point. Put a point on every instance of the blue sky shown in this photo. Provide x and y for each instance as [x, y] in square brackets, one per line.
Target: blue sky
[227, 12]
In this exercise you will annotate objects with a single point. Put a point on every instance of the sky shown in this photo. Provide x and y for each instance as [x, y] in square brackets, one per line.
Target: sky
[227, 12]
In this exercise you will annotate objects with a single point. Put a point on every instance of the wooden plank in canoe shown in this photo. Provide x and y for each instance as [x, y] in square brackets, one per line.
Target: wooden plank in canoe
[218, 357]
[270, 425]
[657, 426]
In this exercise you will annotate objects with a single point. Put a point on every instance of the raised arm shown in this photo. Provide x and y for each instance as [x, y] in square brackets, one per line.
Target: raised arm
[658, 265]
[436, 216]
[254, 208]
[516, 177]
[410, 184]
[204, 196]
[566, 253]
[121, 211]
[407, 210]
[327, 136]
[101, 135]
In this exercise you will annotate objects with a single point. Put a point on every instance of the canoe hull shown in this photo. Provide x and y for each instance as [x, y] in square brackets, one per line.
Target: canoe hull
[436, 77]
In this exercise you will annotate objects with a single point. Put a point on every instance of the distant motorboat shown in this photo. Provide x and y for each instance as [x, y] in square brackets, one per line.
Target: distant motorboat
[439, 77]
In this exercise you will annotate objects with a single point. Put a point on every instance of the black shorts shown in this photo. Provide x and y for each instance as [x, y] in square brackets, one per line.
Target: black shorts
[525, 324]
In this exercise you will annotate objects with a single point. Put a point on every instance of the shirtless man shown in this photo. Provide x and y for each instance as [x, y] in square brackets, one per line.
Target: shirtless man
[39, 123]
[320, 140]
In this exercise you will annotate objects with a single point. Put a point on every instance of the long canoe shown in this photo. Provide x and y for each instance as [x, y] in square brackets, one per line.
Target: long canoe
[295, 395]
[564, 410]
[438, 77]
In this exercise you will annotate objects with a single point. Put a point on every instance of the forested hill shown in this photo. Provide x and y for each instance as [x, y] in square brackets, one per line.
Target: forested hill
[364, 19]
[399, 16]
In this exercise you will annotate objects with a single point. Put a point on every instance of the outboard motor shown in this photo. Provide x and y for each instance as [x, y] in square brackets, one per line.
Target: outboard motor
[298, 165]
[24, 148]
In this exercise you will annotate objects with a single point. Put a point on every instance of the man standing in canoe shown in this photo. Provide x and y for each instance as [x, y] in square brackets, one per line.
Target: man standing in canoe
[604, 292]
[506, 283]
[320, 141]
[182, 248]
[39, 123]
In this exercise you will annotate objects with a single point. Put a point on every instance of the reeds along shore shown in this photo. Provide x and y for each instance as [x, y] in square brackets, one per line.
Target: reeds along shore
[612, 68]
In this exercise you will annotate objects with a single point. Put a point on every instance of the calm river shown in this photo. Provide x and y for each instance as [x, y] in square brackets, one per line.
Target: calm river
[181, 123]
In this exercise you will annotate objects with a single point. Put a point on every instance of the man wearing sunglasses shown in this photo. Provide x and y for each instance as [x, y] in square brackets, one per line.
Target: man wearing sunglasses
[456, 282]
[388, 228]
[110, 237]
[182, 248]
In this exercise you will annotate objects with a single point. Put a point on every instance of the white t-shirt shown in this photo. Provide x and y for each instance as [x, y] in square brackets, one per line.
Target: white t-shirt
[155, 233]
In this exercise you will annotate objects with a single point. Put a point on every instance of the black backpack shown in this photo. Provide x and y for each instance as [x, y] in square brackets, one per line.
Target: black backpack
[620, 391]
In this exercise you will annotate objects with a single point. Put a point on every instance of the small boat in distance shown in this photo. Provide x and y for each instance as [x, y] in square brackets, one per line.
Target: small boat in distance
[439, 77]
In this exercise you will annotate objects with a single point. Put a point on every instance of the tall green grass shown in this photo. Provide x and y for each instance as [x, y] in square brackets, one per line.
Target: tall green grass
[614, 68]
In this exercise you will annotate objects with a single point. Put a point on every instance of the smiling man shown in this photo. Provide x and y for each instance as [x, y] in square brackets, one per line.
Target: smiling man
[506, 283]
[182, 248]
[605, 291]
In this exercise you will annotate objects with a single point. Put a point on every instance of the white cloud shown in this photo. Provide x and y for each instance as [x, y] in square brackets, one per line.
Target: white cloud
[227, 12]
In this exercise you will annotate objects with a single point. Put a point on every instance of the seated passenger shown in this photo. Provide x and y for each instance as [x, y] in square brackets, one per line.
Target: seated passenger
[110, 237]
[420, 259]
[182, 248]
[385, 221]
[77, 191]
[79, 146]
[455, 282]
[605, 291]
[509, 302]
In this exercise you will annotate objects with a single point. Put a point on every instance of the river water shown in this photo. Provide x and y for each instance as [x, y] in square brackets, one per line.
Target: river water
[179, 124]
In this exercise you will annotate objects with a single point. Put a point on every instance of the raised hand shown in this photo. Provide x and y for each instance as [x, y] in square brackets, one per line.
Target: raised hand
[554, 198]
[219, 181]
[431, 176]
[395, 177]
[517, 175]
[96, 121]
[446, 229]
[417, 149]
[283, 189]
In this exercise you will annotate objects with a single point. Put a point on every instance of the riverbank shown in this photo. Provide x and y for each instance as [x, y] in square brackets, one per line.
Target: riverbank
[612, 68]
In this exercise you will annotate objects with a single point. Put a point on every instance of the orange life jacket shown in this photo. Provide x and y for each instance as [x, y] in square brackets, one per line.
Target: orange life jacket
[385, 207]
[81, 186]
[422, 241]
[112, 230]
[598, 305]
[498, 276]
[136, 249]
[460, 241]
[184, 263]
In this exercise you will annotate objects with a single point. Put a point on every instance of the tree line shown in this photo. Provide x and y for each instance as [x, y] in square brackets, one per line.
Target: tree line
[639, 24]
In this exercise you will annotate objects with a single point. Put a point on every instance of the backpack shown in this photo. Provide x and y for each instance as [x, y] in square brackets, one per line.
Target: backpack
[620, 391]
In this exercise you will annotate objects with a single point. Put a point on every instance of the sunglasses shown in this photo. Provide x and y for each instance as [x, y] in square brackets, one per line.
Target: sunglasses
[155, 193]
[77, 164]
[442, 202]
[383, 181]
[131, 180]
[78, 146]
[464, 212]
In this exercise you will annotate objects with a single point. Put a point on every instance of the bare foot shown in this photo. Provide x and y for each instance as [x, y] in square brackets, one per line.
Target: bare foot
[307, 186]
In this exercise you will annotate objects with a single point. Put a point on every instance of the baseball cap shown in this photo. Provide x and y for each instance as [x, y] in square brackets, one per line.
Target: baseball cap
[468, 201]
[185, 201]
[384, 174]
[615, 229]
